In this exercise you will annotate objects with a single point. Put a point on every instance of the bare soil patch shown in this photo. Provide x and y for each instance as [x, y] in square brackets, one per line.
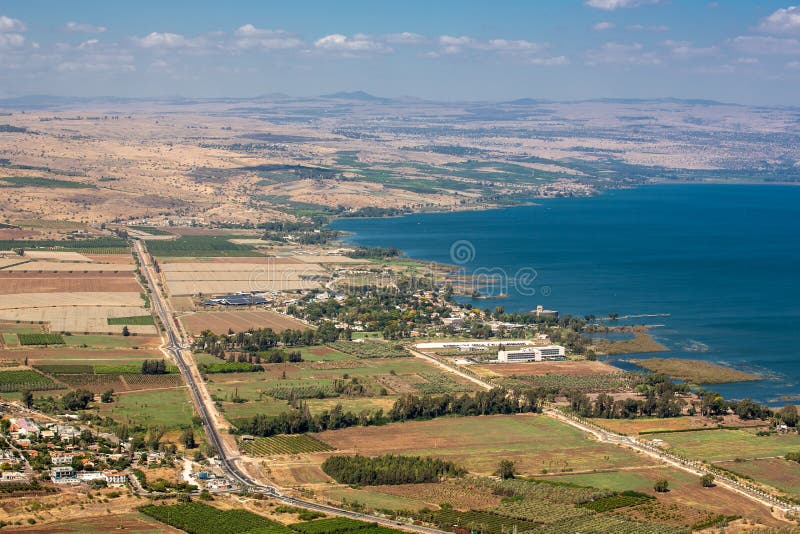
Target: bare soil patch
[238, 321]
[18, 282]
[572, 368]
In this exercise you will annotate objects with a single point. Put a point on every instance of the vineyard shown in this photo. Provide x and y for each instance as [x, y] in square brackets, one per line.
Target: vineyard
[136, 320]
[586, 384]
[18, 380]
[40, 339]
[284, 444]
[198, 518]
[624, 499]
[439, 383]
[95, 383]
[339, 525]
[371, 349]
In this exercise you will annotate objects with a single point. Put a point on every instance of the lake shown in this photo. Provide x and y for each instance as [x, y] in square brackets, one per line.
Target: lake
[715, 266]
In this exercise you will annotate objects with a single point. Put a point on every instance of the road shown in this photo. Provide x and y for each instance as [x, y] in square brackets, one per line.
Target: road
[693, 467]
[178, 347]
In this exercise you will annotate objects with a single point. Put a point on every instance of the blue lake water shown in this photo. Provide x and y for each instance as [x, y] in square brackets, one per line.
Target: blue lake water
[716, 265]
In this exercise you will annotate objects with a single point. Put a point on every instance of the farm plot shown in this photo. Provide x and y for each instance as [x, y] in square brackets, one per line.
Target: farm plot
[585, 383]
[479, 443]
[169, 407]
[568, 368]
[371, 349]
[40, 339]
[76, 356]
[18, 380]
[193, 278]
[201, 518]
[238, 321]
[33, 282]
[776, 472]
[58, 267]
[724, 444]
[284, 444]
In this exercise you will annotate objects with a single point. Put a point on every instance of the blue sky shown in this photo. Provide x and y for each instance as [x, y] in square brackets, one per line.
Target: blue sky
[732, 50]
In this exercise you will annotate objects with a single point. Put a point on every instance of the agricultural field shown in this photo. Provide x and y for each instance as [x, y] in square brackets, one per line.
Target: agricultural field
[592, 383]
[16, 281]
[379, 382]
[134, 320]
[201, 518]
[18, 380]
[220, 322]
[371, 349]
[169, 407]
[98, 376]
[284, 444]
[566, 368]
[40, 339]
[534, 442]
[726, 445]
[776, 472]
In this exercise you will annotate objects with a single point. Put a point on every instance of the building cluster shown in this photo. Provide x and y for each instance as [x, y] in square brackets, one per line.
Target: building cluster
[508, 351]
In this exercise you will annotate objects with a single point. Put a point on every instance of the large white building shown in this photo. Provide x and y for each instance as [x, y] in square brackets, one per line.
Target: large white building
[468, 346]
[532, 354]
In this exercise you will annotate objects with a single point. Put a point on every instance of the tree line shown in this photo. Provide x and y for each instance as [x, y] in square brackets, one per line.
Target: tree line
[299, 419]
[389, 469]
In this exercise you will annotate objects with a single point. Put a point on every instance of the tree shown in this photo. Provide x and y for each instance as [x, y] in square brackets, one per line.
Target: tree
[125, 331]
[506, 470]
[661, 485]
[707, 480]
[789, 415]
[77, 400]
[107, 396]
[27, 398]
[187, 438]
[613, 316]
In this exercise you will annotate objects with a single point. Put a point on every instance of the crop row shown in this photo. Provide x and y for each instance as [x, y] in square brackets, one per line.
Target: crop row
[18, 380]
[586, 384]
[371, 349]
[285, 444]
[40, 339]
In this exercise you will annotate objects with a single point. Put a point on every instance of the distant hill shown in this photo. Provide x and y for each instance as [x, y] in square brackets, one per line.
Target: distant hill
[355, 95]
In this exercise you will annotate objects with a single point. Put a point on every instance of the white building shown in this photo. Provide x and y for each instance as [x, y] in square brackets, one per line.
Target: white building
[115, 477]
[63, 475]
[13, 476]
[468, 346]
[61, 459]
[532, 354]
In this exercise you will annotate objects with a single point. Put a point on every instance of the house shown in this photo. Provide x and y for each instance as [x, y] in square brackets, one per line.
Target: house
[63, 475]
[23, 427]
[13, 476]
[60, 458]
[114, 477]
[532, 354]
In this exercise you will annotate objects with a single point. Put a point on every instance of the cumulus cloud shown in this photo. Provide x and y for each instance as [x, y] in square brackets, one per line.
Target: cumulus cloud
[408, 38]
[455, 45]
[357, 44]
[7, 24]
[248, 36]
[603, 26]
[610, 5]
[685, 49]
[156, 40]
[11, 40]
[81, 27]
[764, 45]
[784, 20]
[555, 61]
[89, 43]
[622, 54]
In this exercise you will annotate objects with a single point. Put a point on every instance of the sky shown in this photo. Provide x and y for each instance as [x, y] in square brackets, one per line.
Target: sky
[742, 51]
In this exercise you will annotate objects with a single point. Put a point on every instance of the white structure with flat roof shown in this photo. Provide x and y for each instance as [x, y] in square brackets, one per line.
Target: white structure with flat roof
[532, 354]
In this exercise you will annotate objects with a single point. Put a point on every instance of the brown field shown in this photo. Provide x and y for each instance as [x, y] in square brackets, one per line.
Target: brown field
[18, 282]
[460, 495]
[635, 426]
[573, 368]
[110, 258]
[238, 321]
[776, 472]
[57, 267]
[16, 233]
[132, 522]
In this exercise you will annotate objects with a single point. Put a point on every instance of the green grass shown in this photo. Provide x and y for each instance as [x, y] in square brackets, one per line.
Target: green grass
[371, 349]
[720, 445]
[776, 472]
[205, 246]
[36, 181]
[152, 230]
[40, 339]
[12, 340]
[135, 320]
[171, 408]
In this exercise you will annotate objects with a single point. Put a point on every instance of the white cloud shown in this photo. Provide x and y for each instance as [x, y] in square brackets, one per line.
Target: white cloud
[610, 5]
[763, 45]
[88, 43]
[747, 61]
[7, 24]
[603, 26]
[81, 27]
[784, 20]
[792, 65]
[455, 45]
[555, 61]
[405, 38]
[621, 53]
[642, 27]
[248, 36]
[685, 49]
[156, 40]
[11, 40]
[358, 43]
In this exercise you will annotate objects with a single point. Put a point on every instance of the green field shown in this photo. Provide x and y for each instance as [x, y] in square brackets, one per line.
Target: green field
[199, 518]
[170, 407]
[284, 444]
[36, 181]
[136, 320]
[201, 246]
[720, 445]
